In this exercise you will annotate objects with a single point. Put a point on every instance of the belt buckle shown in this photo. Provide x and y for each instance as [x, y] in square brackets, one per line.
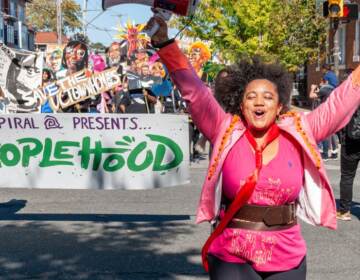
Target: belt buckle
[271, 219]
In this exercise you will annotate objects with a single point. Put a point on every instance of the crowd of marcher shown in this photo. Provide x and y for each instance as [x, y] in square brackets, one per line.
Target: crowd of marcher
[347, 138]
[146, 87]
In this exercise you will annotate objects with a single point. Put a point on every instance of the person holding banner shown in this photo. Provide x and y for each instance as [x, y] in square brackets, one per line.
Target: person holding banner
[266, 156]
[47, 78]
[75, 58]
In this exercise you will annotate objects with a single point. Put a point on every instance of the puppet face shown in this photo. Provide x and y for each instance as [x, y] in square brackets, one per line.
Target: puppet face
[114, 54]
[20, 82]
[195, 56]
[158, 70]
[55, 60]
[75, 58]
[26, 76]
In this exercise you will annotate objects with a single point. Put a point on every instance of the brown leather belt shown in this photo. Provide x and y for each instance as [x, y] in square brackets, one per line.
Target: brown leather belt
[265, 218]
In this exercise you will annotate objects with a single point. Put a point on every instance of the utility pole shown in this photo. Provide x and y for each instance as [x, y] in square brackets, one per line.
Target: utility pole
[336, 53]
[59, 22]
[84, 17]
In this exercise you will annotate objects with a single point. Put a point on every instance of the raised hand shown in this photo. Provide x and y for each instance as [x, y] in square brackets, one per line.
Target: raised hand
[161, 35]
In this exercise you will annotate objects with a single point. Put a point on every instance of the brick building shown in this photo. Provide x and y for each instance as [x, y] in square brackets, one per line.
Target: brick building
[349, 56]
[47, 42]
[14, 31]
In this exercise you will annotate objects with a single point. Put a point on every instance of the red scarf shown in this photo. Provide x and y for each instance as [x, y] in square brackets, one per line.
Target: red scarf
[245, 191]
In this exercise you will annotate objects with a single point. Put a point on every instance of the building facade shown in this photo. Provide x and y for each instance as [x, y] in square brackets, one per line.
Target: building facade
[14, 30]
[348, 55]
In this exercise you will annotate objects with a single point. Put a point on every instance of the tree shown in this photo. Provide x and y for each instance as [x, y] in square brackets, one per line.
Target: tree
[289, 31]
[80, 37]
[41, 14]
[98, 46]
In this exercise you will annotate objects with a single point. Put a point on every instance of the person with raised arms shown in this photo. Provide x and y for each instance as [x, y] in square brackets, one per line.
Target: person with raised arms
[265, 171]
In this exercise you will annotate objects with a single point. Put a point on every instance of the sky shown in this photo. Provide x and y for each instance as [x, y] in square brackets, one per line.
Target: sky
[103, 28]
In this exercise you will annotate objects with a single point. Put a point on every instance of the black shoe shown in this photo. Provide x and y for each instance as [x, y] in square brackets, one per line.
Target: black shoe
[324, 157]
[334, 156]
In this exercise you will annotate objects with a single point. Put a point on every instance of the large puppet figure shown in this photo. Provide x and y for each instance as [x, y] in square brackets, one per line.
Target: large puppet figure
[24, 74]
[199, 54]
[74, 59]
[133, 36]
[54, 60]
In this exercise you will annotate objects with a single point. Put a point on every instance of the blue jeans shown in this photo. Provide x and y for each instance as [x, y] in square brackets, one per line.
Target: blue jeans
[330, 141]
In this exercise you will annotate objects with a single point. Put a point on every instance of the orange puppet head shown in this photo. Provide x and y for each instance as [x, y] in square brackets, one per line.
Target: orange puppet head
[199, 54]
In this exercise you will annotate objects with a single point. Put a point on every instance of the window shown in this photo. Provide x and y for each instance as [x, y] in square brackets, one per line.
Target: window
[31, 41]
[21, 13]
[16, 35]
[10, 37]
[1, 27]
[342, 44]
[24, 37]
[356, 57]
[12, 8]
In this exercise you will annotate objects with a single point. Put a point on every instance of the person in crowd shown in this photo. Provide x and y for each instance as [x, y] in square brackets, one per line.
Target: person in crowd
[168, 96]
[4, 101]
[329, 75]
[321, 94]
[117, 105]
[47, 78]
[139, 98]
[271, 171]
[349, 161]
[100, 102]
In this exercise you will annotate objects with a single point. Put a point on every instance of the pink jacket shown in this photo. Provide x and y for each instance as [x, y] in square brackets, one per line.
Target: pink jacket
[316, 204]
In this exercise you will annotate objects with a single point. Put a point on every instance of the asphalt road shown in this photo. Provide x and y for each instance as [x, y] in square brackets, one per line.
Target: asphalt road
[89, 234]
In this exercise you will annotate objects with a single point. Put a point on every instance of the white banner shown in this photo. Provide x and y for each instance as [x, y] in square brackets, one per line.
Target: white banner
[93, 151]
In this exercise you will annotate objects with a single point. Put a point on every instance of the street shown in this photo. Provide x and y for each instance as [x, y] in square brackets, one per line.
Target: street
[92, 234]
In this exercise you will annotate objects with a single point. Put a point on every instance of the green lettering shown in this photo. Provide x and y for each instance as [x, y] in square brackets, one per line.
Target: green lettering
[131, 162]
[9, 148]
[86, 151]
[60, 150]
[46, 161]
[27, 151]
[160, 153]
[109, 163]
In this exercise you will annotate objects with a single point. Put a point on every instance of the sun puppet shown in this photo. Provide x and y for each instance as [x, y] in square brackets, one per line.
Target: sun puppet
[132, 34]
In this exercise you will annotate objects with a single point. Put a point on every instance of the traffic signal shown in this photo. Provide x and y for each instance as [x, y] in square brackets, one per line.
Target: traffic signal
[350, 11]
[335, 8]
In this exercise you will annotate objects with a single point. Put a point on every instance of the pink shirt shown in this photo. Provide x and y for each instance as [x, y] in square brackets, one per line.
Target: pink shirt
[279, 183]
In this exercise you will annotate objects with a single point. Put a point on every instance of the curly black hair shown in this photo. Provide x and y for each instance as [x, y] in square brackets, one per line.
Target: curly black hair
[231, 82]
